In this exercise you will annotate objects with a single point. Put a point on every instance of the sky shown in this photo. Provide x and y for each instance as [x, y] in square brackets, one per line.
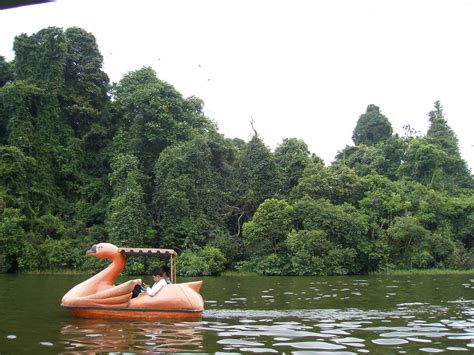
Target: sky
[299, 68]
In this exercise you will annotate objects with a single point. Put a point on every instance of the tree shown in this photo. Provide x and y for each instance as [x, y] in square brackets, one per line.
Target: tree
[382, 202]
[127, 219]
[20, 103]
[338, 184]
[12, 236]
[439, 133]
[454, 168]
[257, 179]
[291, 157]
[343, 224]
[364, 159]
[407, 240]
[152, 115]
[41, 58]
[425, 163]
[6, 71]
[372, 127]
[316, 182]
[189, 192]
[18, 181]
[86, 85]
[312, 253]
[268, 227]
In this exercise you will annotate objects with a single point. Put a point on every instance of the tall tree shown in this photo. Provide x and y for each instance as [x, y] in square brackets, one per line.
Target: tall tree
[291, 156]
[439, 133]
[86, 85]
[152, 116]
[257, 177]
[189, 192]
[41, 58]
[127, 219]
[372, 127]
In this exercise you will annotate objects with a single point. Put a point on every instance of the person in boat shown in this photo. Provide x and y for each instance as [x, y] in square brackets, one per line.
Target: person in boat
[157, 286]
[166, 274]
[160, 282]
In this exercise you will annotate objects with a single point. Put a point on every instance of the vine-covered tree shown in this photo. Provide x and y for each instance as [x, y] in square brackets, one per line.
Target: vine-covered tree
[189, 193]
[127, 219]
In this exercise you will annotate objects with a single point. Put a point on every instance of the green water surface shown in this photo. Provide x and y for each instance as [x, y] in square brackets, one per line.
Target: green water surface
[252, 314]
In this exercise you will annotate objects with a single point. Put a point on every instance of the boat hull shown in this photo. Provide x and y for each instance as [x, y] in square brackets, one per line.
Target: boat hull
[133, 313]
[174, 301]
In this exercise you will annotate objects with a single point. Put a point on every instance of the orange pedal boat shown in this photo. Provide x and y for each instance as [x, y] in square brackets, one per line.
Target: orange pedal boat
[98, 297]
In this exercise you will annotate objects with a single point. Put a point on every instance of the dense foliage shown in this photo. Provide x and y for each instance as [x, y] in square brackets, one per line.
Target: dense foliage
[137, 164]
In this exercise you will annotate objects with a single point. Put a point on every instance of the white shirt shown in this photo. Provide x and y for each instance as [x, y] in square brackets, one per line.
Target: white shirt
[153, 290]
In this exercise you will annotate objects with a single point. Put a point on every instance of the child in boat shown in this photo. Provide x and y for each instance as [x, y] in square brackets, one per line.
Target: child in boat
[160, 282]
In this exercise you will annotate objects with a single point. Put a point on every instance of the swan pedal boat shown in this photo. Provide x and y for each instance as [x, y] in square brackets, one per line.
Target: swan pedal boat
[99, 297]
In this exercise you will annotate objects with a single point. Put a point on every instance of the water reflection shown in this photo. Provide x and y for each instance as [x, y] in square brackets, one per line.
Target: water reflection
[92, 335]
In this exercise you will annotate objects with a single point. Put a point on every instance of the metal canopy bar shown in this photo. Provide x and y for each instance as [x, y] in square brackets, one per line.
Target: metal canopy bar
[147, 251]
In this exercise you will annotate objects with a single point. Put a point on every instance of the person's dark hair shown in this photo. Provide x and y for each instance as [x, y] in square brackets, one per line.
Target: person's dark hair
[166, 269]
[157, 272]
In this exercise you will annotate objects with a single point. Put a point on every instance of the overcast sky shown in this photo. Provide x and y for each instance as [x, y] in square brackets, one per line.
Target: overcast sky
[305, 69]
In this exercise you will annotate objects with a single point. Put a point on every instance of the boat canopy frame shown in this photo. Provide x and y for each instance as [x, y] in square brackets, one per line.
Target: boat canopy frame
[154, 252]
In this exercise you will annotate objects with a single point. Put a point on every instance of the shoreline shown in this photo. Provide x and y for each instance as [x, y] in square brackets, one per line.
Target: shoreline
[231, 273]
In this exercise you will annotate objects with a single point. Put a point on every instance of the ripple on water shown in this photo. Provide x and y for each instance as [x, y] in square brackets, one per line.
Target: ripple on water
[258, 350]
[389, 341]
[11, 336]
[239, 342]
[355, 345]
[322, 352]
[468, 336]
[432, 350]
[348, 340]
[46, 343]
[312, 345]
[419, 340]
[409, 304]
[335, 332]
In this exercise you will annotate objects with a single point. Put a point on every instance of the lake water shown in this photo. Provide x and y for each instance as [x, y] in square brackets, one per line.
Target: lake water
[251, 314]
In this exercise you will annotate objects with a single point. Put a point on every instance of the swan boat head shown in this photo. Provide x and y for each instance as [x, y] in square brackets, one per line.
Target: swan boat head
[103, 250]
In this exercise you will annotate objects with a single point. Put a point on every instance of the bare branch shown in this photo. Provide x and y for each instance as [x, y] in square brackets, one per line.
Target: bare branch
[253, 127]
[238, 223]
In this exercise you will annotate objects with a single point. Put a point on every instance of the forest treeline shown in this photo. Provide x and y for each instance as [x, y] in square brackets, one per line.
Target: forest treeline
[135, 163]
